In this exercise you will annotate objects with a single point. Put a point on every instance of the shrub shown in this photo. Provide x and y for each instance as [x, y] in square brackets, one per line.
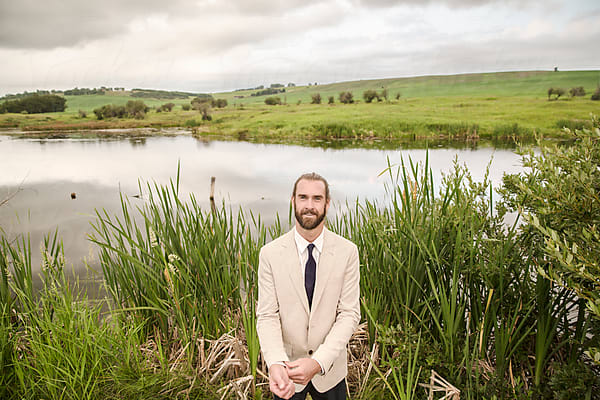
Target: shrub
[133, 109]
[35, 104]
[219, 103]
[272, 101]
[198, 102]
[368, 95]
[316, 98]
[82, 114]
[186, 107]
[398, 95]
[346, 98]
[578, 91]
[168, 107]
[556, 91]
[384, 95]
[330, 100]
[596, 95]
[136, 109]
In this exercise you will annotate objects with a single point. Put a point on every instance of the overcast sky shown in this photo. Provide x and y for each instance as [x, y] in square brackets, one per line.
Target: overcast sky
[212, 45]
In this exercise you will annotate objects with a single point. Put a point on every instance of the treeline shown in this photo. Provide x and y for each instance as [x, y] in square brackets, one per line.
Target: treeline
[268, 92]
[133, 109]
[164, 94]
[576, 91]
[35, 104]
[272, 86]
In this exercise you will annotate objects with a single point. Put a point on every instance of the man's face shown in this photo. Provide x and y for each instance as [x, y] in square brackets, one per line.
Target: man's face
[310, 204]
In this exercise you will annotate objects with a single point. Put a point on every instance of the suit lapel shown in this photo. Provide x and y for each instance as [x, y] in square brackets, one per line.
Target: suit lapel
[291, 263]
[326, 263]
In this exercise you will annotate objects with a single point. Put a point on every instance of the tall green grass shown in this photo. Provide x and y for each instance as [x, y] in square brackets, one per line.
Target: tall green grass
[446, 285]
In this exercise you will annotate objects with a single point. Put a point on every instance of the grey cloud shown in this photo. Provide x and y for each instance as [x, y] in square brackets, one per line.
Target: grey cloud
[33, 24]
[448, 3]
[53, 23]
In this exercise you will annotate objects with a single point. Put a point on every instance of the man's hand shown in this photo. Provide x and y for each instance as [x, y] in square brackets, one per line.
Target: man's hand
[302, 370]
[280, 383]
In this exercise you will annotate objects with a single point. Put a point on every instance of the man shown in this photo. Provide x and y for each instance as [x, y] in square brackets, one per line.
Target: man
[308, 300]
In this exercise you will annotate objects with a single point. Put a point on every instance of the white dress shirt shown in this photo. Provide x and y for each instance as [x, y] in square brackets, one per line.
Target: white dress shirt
[302, 247]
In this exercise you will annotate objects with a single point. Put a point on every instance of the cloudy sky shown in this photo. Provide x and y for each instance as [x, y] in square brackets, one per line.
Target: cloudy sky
[212, 45]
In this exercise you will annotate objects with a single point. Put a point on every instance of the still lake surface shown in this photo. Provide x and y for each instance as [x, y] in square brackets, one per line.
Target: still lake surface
[41, 172]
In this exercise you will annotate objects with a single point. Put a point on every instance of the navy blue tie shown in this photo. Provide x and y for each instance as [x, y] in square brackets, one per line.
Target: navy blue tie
[310, 274]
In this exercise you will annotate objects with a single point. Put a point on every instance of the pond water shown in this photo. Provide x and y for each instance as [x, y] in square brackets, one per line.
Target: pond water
[39, 173]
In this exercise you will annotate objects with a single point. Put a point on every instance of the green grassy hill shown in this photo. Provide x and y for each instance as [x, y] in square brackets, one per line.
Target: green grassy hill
[490, 105]
[533, 84]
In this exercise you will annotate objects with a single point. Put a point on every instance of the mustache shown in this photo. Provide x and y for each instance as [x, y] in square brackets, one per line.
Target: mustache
[309, 212]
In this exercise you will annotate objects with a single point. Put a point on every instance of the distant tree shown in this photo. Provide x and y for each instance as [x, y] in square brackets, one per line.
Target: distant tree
[384, 94]
[272, 101]
[331, 100]
[398, 95]
[316, 98]
[186, 107]
[198, 102]
[82, 114]
[276, 85]
[291, 84]
[167, 107]
[346, 98]
[369, 95]
[577, 91]
[555, 91]
[35, 104]
[596, 95]
[136, 109]
[219, 103]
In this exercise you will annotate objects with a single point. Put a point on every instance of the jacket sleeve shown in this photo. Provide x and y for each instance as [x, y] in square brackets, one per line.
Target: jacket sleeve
[347, 315]
[268, 322]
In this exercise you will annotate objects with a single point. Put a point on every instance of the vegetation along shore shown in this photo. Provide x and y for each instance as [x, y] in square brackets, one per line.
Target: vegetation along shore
[511, 105]
[454, 301]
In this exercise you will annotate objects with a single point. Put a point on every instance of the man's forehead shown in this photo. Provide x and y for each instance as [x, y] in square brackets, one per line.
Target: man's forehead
[309, 186]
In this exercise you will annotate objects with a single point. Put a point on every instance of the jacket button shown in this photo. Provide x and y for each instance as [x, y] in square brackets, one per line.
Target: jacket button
[310, 352]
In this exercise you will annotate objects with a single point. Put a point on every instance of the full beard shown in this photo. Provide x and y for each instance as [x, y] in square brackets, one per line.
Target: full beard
[309, 223]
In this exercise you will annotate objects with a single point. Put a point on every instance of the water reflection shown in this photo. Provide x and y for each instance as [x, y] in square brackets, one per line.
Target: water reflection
[255, 176]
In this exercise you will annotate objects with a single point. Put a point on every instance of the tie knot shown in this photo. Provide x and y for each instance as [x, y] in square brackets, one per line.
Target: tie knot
[310, 248]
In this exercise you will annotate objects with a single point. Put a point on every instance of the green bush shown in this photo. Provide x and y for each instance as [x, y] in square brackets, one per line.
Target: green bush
[272, 101]
[370, 95]
[555, 91]
[346, 98]
[133, 109]
[186, 107]
[578, 91]
[316, 98]
[219, 103]
[35, 104]
[596, 95]
[331, 100]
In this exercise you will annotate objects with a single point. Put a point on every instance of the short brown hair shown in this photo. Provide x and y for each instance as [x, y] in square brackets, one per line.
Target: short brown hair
[312, 176]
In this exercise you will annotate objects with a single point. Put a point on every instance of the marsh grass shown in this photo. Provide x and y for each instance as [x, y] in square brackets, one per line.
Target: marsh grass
[445, 286]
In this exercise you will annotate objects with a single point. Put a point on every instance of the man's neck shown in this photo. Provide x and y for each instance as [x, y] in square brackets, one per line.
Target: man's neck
[312, 234]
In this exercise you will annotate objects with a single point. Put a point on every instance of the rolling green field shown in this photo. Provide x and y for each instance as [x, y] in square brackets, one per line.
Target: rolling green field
[491, 105]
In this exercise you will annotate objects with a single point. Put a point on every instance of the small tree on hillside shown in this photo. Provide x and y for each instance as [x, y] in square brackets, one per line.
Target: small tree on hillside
[316, 98]
[577, 91]
[370, 95]
[383, 95]
[346, 98]
[596, 95]
[273, 101]
[331, 100]
[556, 91]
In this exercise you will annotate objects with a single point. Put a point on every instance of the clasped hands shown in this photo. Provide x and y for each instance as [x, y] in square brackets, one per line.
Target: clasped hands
[282, 379]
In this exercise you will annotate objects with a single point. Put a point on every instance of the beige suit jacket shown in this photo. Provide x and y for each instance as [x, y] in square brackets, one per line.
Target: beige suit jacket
[287, 329]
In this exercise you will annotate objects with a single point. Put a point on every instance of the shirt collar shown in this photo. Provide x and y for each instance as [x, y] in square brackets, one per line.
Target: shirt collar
[302, 243]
